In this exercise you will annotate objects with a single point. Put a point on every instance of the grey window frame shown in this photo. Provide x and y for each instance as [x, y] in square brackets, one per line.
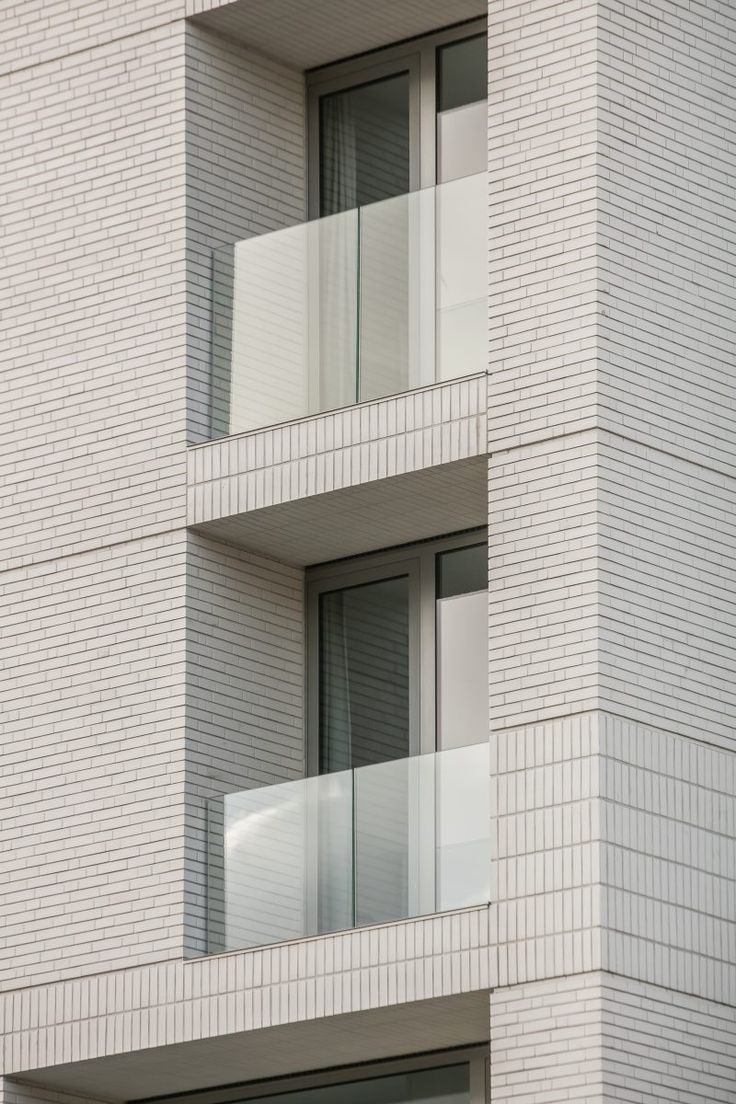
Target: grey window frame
[417, 57]
[418, 561]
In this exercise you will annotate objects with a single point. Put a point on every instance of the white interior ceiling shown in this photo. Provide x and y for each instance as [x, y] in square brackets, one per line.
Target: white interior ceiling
[307, 33]
[403, 1029]
[379, 514]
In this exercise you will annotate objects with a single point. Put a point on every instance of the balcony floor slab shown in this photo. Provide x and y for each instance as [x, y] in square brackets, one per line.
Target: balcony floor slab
[405, 468]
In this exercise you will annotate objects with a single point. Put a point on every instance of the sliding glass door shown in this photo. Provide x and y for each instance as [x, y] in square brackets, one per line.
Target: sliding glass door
[364, 674]
[403, 118]
[364, 144]
[398, 654]
[398, 667]
[406, 266]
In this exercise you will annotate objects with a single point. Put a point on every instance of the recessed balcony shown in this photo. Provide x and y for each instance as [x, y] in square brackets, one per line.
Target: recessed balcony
[390, 841]
[350, 308]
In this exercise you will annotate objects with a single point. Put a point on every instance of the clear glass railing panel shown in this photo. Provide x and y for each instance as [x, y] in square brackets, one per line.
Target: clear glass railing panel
[285, 324]
[403, 838]
[388, 362]
[423, 288]
[280, 862]
[422, 835]
[386, 874]
[349, 308]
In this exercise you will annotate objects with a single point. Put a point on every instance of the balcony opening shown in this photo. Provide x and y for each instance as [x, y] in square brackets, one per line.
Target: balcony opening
[385, 290]
[393, 819]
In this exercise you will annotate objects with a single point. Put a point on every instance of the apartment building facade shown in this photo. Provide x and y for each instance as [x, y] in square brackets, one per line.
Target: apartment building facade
[369, 482]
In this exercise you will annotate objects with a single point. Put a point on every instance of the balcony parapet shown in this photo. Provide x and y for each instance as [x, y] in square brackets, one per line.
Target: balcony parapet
[350, 308]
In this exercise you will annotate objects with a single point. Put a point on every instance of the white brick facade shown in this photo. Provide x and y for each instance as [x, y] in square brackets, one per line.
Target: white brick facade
[153, 635]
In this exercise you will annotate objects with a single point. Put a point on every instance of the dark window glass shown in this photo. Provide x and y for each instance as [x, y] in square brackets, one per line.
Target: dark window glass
[462, 571]
[364, 675]
[462, 647]
[364, 144]
[445, 1085]
[462, 72]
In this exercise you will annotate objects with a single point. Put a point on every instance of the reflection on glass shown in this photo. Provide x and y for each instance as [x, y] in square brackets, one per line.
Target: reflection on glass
[364, 144]
[285, 324]
[443, 1085]
[385, 875]
[351, 307]
[397, 839]
[286, 865]
[462, 647]
[387, 269]
[364, 674]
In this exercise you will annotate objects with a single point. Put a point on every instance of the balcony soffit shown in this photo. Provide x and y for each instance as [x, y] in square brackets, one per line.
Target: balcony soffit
[387, 1032]
[305, 35]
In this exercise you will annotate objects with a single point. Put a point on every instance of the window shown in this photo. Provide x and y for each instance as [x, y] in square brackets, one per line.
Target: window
[462, 116]
[364, 144]
[398, 654]
[399, 119]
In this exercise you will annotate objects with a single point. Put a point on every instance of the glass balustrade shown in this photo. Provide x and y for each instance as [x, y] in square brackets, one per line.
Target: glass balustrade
[352, 307]
[399, 839]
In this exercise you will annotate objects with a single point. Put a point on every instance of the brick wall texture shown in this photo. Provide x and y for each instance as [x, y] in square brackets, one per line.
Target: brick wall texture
[602, 1039]
[147, 668]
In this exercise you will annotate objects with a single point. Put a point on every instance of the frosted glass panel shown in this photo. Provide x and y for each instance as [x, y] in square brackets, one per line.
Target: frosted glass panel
[285, 325]
[462, 266]
[462, 670]
[388, 282]
[462, 828]
[462, 141]
[350, 308]
[403, 838]
[385, 874]
[286, 867]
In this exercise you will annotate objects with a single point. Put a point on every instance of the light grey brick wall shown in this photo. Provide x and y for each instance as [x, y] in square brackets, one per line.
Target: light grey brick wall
[92, 752]
[246, 175]
[35, 31]
[659, 1046]
[117, 166]
[667, 577]
[666, 160]
[668, 860]
[603, 1039]
[546, 1042]
[543, 579]
[613, 847]
[546, 848]
[632, 151]
[542, 150]
[245, 690]
[92, 297]
[92, 455]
